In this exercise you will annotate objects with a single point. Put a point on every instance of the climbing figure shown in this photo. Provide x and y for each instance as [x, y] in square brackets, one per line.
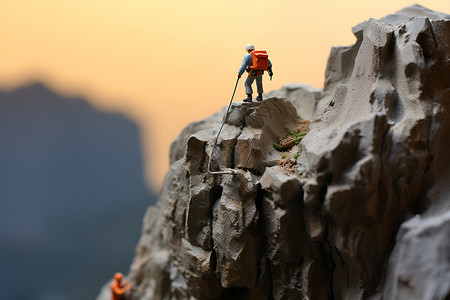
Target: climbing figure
[255, 63]
[119, 288]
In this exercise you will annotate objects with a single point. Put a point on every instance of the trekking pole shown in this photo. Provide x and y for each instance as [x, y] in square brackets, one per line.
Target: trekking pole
[217, 137]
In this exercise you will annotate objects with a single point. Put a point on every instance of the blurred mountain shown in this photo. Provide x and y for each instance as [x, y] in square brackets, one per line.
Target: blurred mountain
[72, 195]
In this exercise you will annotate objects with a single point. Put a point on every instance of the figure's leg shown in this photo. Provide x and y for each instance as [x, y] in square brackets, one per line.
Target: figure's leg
[248, 85]
[259, 87]
[248, 88]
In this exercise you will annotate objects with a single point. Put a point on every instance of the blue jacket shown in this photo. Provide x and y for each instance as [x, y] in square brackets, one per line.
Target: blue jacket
[248, 62]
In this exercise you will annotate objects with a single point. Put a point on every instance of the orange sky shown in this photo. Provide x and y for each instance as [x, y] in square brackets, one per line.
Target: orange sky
[166, 63]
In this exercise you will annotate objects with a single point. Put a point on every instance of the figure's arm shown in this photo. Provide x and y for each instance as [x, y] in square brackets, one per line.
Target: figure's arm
[269, 70]
[123, 290]
[245, 63]
[127, 288]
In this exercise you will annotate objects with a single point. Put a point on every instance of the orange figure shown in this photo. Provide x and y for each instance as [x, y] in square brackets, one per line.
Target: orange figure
[118, 288]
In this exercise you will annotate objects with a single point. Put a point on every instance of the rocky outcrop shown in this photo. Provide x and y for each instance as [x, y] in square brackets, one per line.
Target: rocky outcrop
[375, 156]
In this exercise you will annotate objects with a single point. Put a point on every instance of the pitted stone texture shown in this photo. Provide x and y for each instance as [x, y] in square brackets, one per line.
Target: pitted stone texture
[299, 267]
[236, 241]
[367, 159]
[408, 13]
[302, 96]
[270, 120]
[419, 267]
[187, 230]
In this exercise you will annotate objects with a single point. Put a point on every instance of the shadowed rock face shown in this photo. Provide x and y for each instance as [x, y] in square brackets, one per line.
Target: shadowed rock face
[377, 154]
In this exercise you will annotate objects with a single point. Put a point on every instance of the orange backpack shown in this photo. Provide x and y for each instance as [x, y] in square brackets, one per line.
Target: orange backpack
[260, 60]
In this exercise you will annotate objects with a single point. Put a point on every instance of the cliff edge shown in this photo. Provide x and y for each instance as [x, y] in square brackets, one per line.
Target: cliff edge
[353, 205]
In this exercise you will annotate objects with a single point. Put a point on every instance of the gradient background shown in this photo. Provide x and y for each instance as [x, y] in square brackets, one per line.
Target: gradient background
[126, 74]
[167, 63]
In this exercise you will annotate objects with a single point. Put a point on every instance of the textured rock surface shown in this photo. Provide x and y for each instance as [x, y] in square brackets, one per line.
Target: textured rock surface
[377, 154]
[420, 264]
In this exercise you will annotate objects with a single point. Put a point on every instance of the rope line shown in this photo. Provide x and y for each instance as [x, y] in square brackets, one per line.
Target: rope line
[217, 137]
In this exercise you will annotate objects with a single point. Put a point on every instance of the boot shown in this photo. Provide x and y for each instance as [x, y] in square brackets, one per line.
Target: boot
[248, 99]
[259, 98]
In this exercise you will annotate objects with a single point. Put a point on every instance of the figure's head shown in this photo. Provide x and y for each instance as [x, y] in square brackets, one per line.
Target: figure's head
[118, 276]
[250, 47]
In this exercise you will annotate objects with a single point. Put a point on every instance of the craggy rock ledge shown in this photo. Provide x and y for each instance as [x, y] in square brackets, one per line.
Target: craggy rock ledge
[376, 159]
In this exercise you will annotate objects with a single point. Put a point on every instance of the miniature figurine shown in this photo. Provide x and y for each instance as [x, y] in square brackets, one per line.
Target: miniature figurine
[255, 63]
[119, 288]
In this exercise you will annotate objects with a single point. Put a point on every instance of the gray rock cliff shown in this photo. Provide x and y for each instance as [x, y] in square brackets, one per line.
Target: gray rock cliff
[358, 209]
